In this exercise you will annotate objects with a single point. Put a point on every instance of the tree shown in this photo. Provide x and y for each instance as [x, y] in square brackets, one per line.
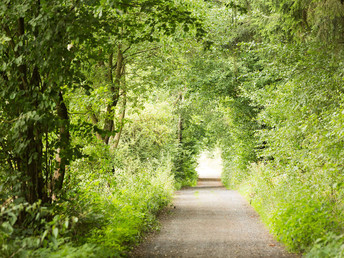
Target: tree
[35, 66]
[136, 30]
[42, 55]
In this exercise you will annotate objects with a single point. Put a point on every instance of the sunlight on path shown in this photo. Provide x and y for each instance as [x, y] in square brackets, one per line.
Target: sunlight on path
[210, 164]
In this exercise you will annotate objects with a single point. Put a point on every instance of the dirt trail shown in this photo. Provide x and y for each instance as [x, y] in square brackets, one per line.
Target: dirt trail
[210, 221]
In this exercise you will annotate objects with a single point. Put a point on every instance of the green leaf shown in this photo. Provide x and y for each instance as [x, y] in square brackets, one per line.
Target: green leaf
[13, 218]
[7, 228]
[55, 232]
[45, 233]
[66, 224]
[4, 39]
[19, 60]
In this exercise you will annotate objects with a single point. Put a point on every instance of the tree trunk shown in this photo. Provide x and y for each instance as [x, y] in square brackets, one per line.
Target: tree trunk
[114, 90]
[30, 161]
[180, 121]
[108, 124]
[121, 118]
[95, 121]
[33, 166]
[62, 152]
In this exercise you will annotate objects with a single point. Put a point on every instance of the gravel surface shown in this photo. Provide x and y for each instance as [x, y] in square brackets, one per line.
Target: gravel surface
[210, 221]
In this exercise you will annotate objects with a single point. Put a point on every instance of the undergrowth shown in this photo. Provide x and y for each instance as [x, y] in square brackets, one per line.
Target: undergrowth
[302, 217]
[116, 211]
[111, 197]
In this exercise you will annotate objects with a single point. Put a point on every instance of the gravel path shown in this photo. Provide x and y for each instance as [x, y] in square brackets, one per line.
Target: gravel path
[210, 221]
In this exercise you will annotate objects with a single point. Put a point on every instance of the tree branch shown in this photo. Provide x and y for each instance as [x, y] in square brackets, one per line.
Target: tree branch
[143, 51]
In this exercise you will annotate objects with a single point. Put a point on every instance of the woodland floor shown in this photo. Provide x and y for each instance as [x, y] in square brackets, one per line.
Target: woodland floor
[210, 221]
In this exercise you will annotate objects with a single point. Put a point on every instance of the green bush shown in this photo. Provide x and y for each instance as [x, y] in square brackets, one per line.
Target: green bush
[26, 228]
[330, 245]
[296, 212]
[115, 211]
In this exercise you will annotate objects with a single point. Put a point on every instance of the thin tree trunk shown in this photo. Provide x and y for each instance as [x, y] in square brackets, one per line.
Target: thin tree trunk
[180, 121]
[121, 119]
[180, 129]
[114, 90]
[95, 121]
[62, 151]
[108, 125]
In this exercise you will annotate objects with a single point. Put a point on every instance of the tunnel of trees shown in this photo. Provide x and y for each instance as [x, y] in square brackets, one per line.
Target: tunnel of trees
[105, 106]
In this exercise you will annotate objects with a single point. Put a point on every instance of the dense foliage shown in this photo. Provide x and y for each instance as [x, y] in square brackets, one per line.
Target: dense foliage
[277, 69]
[105, 105]
[90, 149]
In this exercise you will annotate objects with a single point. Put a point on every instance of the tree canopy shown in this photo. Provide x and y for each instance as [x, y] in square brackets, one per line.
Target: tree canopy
[105, 106]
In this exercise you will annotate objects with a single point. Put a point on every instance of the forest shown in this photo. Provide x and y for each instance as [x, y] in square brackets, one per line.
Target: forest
[105, 106]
